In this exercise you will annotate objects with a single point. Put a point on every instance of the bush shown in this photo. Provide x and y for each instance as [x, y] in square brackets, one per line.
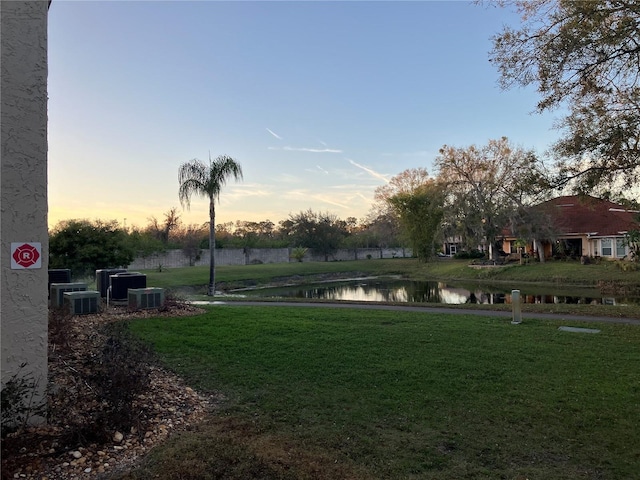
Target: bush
[172, 300]
[466, 255]
[298, 253]
[107, 385]
[120, 374]
[85, 246]
[59, 326]
[18, 403]
[627, 266]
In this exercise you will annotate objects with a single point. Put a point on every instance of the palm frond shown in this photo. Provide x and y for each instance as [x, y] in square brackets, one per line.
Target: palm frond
[196, 178]
[220, 170]
[193, 180]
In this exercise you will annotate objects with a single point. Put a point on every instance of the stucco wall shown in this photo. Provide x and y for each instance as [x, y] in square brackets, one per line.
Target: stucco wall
[239, 256]
[23, 194]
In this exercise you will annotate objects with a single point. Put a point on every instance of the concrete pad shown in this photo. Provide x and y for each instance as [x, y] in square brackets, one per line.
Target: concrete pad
[579, 330]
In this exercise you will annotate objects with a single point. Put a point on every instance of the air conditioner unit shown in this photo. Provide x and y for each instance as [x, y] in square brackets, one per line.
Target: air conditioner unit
[103, 282]
[58, 275]
[122, 282]
[82, 303]
[57, 289]
[146, 297]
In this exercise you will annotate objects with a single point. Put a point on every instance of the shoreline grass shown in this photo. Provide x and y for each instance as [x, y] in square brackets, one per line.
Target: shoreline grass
[558, 276]
[402, 395]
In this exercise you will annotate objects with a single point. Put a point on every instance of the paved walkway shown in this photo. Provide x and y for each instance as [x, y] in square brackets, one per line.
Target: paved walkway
[448, 310]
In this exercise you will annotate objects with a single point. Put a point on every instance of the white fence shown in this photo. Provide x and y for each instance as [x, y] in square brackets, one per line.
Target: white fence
[249, 256]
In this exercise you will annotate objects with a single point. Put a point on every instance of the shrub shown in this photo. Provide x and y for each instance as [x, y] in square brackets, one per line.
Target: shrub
[120, 374]
[59, 327]
[107, 384]
[172, 299]
[298, 253]
[465, 255]
[627, 266]
[18, 401]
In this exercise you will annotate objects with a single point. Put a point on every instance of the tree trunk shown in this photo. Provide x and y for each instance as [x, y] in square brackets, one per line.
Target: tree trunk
[212, 248]
[540, 248]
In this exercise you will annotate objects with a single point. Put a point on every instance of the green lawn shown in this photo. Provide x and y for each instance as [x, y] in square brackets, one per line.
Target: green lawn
[336, 393]
[250, 275]
[551, 272]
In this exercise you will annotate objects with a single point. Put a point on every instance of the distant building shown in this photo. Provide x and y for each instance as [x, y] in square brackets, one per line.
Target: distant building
[579, 225]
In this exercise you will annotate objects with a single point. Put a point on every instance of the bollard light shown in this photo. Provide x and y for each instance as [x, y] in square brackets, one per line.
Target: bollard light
[517, 307]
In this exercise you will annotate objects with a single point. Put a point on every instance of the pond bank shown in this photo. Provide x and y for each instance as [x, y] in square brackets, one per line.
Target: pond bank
[191, 281]
[560, 317]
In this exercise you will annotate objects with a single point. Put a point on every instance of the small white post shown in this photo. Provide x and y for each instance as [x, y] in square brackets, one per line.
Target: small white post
[517, 307]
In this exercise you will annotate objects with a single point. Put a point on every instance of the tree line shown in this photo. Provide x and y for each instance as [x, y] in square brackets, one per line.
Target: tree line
[86, 245]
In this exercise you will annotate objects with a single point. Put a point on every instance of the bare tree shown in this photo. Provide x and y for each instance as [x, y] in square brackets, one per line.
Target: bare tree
[487, 187]
[584, 55]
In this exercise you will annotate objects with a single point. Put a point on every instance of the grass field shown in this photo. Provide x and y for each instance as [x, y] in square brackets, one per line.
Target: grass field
[551, 272]
[336, 393]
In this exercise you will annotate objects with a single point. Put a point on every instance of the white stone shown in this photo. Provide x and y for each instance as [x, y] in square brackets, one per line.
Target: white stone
[579, 330]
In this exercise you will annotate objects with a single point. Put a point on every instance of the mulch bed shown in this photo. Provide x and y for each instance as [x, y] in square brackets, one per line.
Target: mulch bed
[73, 443]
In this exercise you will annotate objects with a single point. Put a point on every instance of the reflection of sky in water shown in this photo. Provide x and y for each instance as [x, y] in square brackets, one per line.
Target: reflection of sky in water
[454, 296]
[366, 294]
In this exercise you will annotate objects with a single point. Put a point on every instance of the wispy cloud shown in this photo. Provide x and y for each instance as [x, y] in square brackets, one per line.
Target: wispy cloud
[313, 150]
[287, 178]
[322, 170]
[305, 149]
[274, 134]
[363, 197]
[371, 172]
[307, 195]
[250, 190]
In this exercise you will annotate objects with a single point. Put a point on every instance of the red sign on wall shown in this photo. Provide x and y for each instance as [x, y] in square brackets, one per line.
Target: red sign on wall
[26, 255]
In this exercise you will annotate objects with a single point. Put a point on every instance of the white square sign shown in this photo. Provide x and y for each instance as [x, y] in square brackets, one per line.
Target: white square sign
[26, 255]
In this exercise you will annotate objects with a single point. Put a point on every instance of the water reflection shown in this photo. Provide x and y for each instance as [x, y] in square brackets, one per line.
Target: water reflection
[406, 291]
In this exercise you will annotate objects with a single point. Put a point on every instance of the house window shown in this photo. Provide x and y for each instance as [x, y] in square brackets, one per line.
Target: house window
[453, 249]
[605, 245]
[621, 251]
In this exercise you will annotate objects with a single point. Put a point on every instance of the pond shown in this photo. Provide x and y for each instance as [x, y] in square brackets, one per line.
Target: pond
[411, 291]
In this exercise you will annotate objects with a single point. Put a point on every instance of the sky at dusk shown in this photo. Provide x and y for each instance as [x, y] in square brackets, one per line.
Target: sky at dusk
[320, 102]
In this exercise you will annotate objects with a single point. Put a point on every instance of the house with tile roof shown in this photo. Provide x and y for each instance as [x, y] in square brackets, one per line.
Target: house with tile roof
[578, 226]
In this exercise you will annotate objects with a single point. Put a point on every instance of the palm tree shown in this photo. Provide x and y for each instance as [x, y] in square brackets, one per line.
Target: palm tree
[197, 178]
